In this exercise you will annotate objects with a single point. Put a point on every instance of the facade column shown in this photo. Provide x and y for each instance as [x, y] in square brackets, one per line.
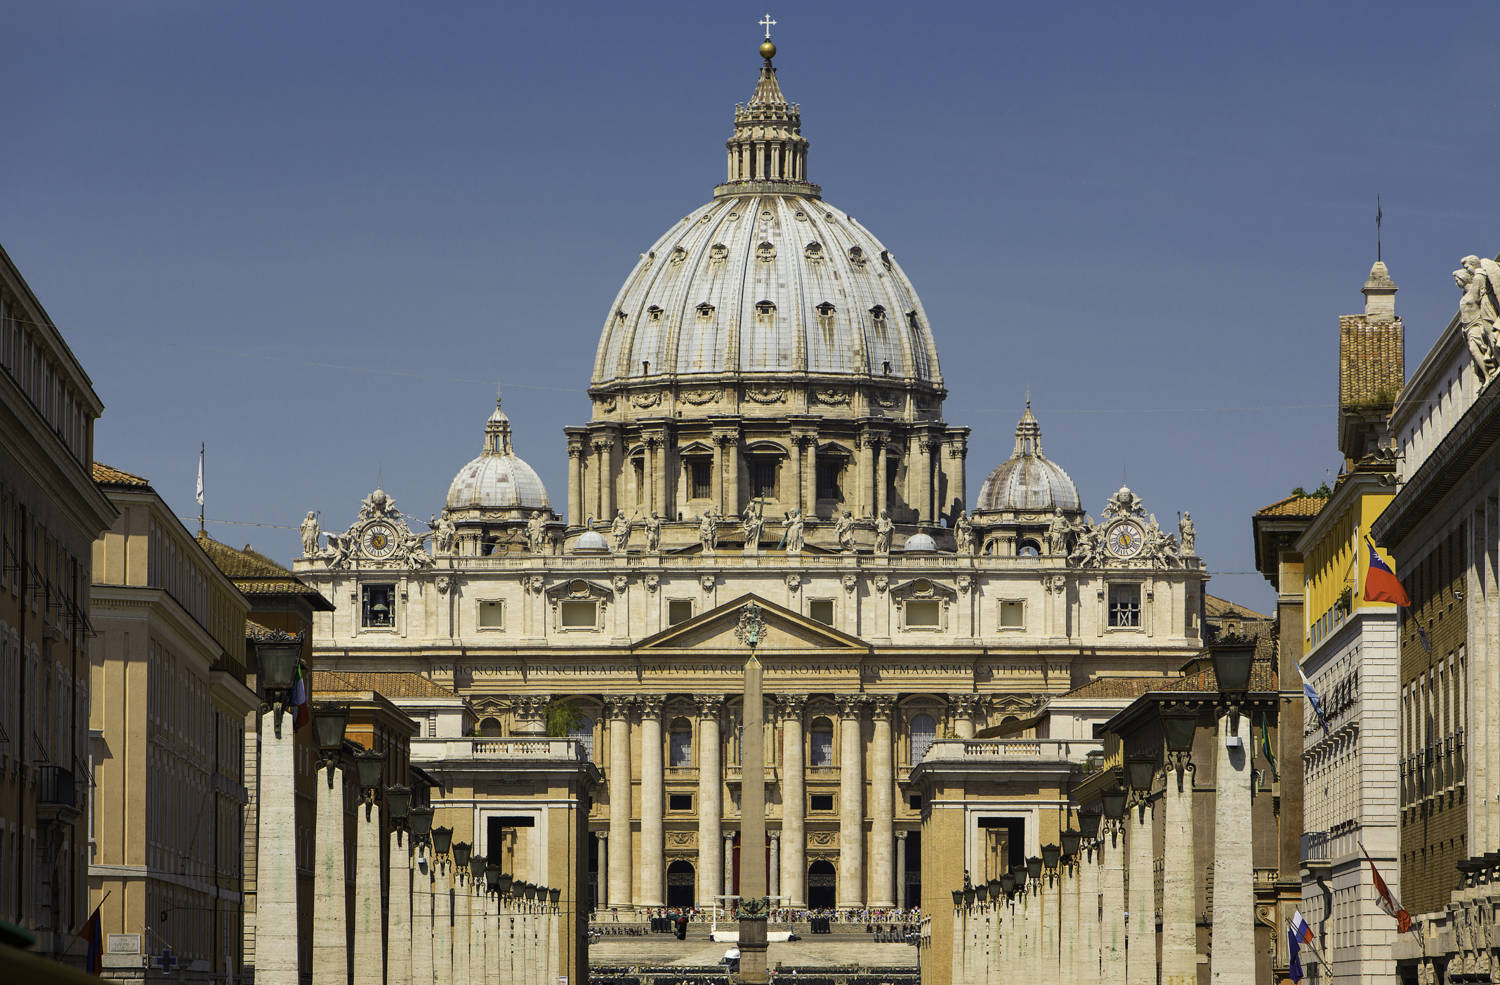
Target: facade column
[398, 913]
[851, 888]
[330, 920]
[793, 801]
[729, 865]
[882, 804]
[901, 870]
[479, 958]
[617, 711]
[881, 477]
[773, 868]
[369, 937]
[710, 800]
[605, 467]
[1232, 947]
[653, 803]
[1140, 958]
[657, 445]
[1179, 909]
[601, 875]
[442, 920]
[463, 929]
[921, 459]
[1112, 891]
[864, 497]
[962, 707]
[810, 476]
[1033, 963]
[731, 474]
[798, 456]
[718, 477]
[958, 457]
[421, 916]
[276, 957]
[575, 481]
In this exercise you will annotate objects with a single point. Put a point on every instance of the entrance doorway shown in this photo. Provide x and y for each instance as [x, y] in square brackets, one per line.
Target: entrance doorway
[681, 884]
[822, 883]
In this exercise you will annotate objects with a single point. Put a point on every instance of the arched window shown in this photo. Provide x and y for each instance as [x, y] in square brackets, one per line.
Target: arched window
[821, 735]
[680, 743]
[923, 734]
[491, 726]
[583, 731]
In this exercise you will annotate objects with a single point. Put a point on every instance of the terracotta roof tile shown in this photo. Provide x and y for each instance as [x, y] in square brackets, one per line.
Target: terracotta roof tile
[1372, 362]
[110, 476]
[1119, 687]
[1305, 506]
[390, 684]
[255, 574]
[1218, 608]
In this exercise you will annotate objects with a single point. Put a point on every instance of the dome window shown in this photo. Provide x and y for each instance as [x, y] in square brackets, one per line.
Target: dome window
[856, 256]
[877, 315]
[825, 320]
[1028, 548]
[911, 319]
[705, 310]
[678, 255]
[800, 216]
[765, 308]
[647, 259]
[717, 253]
[765, 252]
[814, 252]
[885, 258]
[654, 313]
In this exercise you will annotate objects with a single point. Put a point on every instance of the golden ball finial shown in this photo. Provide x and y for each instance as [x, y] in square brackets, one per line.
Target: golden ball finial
[767, 50]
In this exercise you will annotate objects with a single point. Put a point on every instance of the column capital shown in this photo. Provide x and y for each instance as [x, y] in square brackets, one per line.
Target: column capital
[709, 705]
[602, 835]
[881, 706]
[901, 834]
[650, 705]
[789, 707]
[849, 704]
[964, 705]
[618, 706]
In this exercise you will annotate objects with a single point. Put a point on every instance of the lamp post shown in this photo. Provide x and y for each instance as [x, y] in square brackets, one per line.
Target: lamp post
[369, 943]
[277, 960]
[398, 910]
[442, 904]
[422, 944]
[330, 917]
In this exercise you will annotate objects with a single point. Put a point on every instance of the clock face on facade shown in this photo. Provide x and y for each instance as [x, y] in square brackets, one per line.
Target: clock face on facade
[1125, 539]
[379, 540]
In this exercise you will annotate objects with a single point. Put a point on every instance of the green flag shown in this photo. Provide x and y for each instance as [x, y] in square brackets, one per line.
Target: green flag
[1265, 746]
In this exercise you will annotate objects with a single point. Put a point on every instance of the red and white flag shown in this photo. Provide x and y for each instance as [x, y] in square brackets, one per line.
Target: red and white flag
[1388, 902]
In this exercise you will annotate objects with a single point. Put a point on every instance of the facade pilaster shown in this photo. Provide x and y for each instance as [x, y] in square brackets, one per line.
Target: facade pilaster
[1232, 948]
[810, 476]
[330, 921]
[1140, 957]
[653, 803]
[881, 467]
[851, 885]
[882, 806]
[601, 896]
[773, 868]
[793, 800]
[710, 800]
[617, 713]
[1179, 910]
[865, 494]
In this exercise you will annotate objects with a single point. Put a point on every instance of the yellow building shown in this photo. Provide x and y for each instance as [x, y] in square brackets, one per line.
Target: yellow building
[50, 512]
[168, 722]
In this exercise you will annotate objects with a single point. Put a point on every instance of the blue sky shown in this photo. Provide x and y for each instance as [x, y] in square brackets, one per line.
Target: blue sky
[313, 236]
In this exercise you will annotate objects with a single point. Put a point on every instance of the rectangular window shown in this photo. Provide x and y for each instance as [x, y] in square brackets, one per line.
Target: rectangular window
[922, 614]
[491, 615]
[579, 615]
[700, 472]
[378, 606]
[763, 470]
[1012, 615]
[1124, 606]
[822, 801]
[679, 610]
[821, 610]
[680, 802]
[915, 801]
[828, 479]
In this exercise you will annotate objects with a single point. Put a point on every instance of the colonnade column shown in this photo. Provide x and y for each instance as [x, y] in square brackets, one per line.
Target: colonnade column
[276, 958]
[617, 711]
[922, 459]
[601, 874]
[901, 869]
[710, 800]
[773, 867]
[798, 440]
[1179, 910]
[863, 497]
[728, 865]
[463, 930]
[369, 936]
[1232, 950]
[793, 801]
[421, 916]
[851, 888]
[882, 806]
[653, 803]
[330, 923]
[1112, 905]
[1067, 919]
[575, 481]
[398, 912]
[1140, 958]
[881, 466]
[442, 920]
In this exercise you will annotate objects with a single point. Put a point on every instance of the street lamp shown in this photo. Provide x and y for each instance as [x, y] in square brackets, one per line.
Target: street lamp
[328, 727]
[461, 852]
[1008, 884]
[1114, 805]
[554, 895]
[1018, 873]
[442, 840]
[969, 896]
[1233, 656]
[958, 898]
[1088, 825]
[1050, 855]
[276, 658]
[503, 884]
[994, 887]
[1070, 840]
[1140, 772]
[492, 878]
[1033, 868]
[398, 803]
[420, 822]
[368, 766]
[1179, 723]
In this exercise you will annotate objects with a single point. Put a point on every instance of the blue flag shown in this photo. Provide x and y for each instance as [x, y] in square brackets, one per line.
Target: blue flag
[1311, 694]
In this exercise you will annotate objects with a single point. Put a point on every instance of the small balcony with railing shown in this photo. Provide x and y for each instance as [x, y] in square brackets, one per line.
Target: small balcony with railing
[56, 795]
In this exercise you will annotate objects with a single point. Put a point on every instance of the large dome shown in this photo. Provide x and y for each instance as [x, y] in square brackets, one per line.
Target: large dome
[498, 480]
[1028, 481]
[783, 284]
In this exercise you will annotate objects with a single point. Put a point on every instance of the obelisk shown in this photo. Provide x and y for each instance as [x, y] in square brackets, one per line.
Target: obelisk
[753, 903]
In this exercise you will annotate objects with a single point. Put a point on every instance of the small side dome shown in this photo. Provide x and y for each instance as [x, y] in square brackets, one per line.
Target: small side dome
[498, 479]
[591, 542]
[1028, 481]
[920, 543]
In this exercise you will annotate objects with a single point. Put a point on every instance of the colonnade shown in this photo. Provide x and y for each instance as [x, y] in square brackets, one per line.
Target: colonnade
[788, 845]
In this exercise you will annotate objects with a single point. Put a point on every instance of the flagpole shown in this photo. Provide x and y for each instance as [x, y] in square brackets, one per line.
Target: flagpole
[201, 449]
[1311, 949]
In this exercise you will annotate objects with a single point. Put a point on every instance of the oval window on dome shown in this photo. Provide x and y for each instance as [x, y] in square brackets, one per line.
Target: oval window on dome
[856, 256]
[678, 255]
[654, 313]
[717, 253]
[765, 308]
[766, 252]
[705, 310]
[813, 251]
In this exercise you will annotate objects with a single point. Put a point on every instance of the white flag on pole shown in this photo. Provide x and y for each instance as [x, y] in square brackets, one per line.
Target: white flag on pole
[200, 475]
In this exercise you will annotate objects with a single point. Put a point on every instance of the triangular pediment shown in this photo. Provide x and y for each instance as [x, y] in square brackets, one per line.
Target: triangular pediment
[785, 631]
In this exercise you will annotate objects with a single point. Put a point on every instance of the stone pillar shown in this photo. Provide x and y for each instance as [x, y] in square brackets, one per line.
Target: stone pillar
[601, 876]
[710, 800]
[330, 918]
[1140, 958]
[1112, 905]
[658, 448]
[442, 921]
[753, 842]
[901, 869]
[1048, 899]
[958, 457]
[496, 955]
[463, 925]
[1033, 963]
[864, 496]
[793, 802]
[718, 478]
[653, 803]
[1179, 909]
[479, 956]
[731, 474]
[1067, 921]
[800, 497]
[960, 943]
[962, 707]
[421, 917]
[617, 711]
[575, 481]
[729, 865]
[881, 479]
[773, 870]
[1232, 947]
[276, 959]
[810, 476]
[882, 804]
[369, 938]
[398, 913]
[851, 888]
[921, 458]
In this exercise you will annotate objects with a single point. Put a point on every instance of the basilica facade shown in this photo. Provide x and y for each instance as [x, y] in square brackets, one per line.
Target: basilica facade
[767, 428]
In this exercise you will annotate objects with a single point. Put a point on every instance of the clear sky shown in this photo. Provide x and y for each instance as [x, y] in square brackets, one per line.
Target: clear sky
[314, 235]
